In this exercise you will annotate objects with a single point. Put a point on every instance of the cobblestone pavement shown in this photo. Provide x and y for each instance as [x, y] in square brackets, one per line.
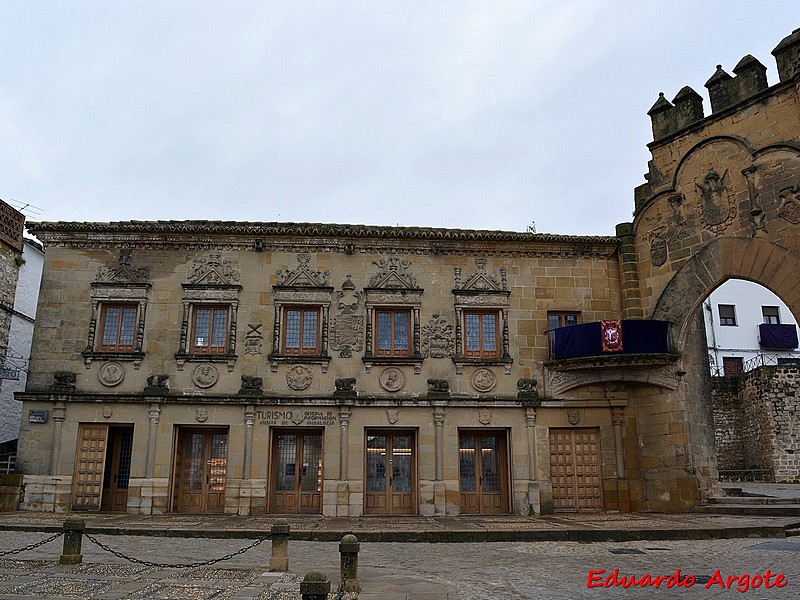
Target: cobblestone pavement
[397, 571]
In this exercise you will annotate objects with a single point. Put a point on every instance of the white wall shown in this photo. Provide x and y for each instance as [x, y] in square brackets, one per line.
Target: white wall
[741, 339]
[19, 339]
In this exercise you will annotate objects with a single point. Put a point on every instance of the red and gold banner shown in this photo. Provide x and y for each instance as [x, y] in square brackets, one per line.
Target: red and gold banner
[611, 335]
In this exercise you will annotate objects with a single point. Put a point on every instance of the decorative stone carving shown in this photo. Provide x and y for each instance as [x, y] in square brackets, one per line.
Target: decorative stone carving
[658, 247]
[251, 386]
[437, 338]
[111, 374]
[107, 412]
[201, 415]
[392, 273]
[392, 380]
[157, 385]
[345, 384]
[299, 377]
[438, 386]
[214, 270]
[254, 340]
[484, 416]
[717, 206]
[527, 386]
[64, 382]
[481, 280]
[756, 212]
[574, 416]
[123, 273]
[205, 376]
[303, 275]
[348, 325]
[392, 415]
[789, 209]
[483, 380]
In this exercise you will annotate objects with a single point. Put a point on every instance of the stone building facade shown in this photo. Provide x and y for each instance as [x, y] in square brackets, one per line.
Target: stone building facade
[247, 368]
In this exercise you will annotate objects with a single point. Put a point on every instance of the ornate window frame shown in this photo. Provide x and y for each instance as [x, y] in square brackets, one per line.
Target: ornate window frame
[482, 292]
[393, 288]
[122, 284]
[106, 293]
[302, 288]
[211, 282]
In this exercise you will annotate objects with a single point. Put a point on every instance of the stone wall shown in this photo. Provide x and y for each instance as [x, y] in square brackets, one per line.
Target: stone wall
[757, 423]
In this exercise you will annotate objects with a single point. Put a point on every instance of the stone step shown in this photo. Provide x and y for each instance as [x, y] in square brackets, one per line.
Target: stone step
[763, 510]
[793, 532]
[752, 500]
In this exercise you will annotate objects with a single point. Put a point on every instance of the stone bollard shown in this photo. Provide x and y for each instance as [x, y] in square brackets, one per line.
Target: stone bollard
[279, 561]
[348, 548]
[73, 532]
[315, 586]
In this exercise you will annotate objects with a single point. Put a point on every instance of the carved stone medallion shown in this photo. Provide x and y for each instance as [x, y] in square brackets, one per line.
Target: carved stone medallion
[393, 415]
[484, 416]
[111, 374]
[107, 412]
[392, 380]
[201, 414]
[483, 380]
[205, 376]
[574, 416]
[299, 378]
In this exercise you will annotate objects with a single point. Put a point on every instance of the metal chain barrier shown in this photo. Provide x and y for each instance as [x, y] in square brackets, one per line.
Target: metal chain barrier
[31, 546]
[148, 563]
[340, 592]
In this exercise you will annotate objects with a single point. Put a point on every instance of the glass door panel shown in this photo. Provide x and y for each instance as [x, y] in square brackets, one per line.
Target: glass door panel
[297, 472]
[390, 473]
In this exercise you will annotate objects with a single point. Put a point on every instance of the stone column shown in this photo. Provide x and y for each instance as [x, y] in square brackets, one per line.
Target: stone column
[344, 429]
[152, 435]
[617, 419]
[249, 421]
[439, 413]
[530, 430]
[59, 413]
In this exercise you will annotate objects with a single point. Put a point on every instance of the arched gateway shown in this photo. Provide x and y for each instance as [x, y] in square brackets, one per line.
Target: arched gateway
[248, 368]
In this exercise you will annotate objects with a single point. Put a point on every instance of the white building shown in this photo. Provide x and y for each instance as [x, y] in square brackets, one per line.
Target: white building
[16, 355]
[733, 315]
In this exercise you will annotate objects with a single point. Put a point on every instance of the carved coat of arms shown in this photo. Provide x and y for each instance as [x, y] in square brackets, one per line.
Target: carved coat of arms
[717, 209]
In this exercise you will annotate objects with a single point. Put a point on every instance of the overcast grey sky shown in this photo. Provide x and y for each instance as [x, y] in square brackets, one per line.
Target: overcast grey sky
[479, 115]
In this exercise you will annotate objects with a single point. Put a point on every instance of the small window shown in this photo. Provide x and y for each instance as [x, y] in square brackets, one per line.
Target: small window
[301, 331]
[393, 332]
[118, 327]
[210, 330]
[770, 315]
[482, 334]
[562, 319]
[727, 314]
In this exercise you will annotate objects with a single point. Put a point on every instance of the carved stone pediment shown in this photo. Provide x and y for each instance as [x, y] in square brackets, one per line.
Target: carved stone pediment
[393, 273]
[214, 270]
[123, 273]
[303, 275]
[481, 280]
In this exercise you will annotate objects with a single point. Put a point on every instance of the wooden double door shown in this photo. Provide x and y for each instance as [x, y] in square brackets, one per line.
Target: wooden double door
[201, 470]
[483, 472]
[296, 472]
[103, 467]
[391, 479]
[575, 469]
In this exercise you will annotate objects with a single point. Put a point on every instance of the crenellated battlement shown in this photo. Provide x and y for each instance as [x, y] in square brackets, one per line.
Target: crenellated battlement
[725, 91]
